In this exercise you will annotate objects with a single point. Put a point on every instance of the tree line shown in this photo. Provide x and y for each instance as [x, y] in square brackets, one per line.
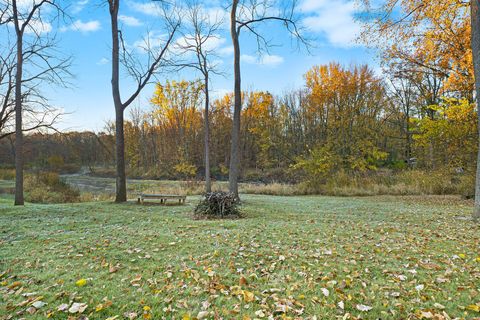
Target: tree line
[420, 111]
[343, 119]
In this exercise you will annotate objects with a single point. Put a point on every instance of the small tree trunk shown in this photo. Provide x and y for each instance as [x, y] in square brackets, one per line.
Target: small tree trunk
[235, 144]
[475, 42]
[18, 113]
[208, 182]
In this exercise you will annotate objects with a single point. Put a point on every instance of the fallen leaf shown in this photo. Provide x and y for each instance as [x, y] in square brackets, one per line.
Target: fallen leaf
[325, 292]
[362, 307]
[81, 282]
[62, 307]
[38, 304]
[77, 307]
[248, 296]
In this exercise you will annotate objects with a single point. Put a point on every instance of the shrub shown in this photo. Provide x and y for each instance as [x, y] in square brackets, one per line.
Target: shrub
[7, 174]
[217, 205]
[47, 187]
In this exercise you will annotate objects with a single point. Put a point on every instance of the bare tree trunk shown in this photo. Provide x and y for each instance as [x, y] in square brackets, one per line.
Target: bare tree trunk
[208, 182]
[235, 144]
[18, 113]
[475, 41]
[121, 182]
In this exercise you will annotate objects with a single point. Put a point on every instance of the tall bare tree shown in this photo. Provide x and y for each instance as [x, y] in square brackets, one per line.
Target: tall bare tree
[37, 112]
[475, 18]
[198, 39]
[35, 47]
[141, 75]
[248, 15]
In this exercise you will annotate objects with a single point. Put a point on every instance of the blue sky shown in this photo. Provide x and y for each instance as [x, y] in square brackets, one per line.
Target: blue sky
[87, 38]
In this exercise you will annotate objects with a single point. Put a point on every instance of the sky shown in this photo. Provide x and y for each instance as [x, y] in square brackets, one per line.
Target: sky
[329, 24]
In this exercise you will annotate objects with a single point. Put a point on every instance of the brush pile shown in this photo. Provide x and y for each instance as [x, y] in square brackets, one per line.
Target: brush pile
[218, 205]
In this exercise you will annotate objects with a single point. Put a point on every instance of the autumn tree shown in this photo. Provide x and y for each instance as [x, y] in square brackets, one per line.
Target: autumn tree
[441, 36]
[176, 110]
[248, 15]
[454, 128]
[344, 109]
[157, 58]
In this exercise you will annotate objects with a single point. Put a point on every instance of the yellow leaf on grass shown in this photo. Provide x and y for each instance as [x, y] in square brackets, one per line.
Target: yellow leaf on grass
[146, 308]
[473, 307]
[462, 255]
[186, 317]
[248, 296]
[81, 282]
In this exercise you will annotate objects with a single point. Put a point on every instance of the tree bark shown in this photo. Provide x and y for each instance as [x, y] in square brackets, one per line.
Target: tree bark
[121, 181]
[235, 143]
[475, 42]
[208, 182]
[18, 112]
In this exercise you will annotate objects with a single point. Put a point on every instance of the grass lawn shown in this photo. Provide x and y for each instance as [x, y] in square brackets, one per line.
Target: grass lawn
[292, 257]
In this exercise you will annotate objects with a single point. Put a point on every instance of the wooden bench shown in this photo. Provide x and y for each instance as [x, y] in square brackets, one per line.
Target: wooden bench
[163, 198]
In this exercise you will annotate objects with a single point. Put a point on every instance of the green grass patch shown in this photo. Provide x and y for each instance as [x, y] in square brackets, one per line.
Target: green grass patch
[291, 257]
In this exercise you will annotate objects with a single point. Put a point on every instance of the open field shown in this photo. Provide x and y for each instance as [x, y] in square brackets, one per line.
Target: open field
[292, 257]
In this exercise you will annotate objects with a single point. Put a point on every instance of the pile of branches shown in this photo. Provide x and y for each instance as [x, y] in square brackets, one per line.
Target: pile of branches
[218, 205]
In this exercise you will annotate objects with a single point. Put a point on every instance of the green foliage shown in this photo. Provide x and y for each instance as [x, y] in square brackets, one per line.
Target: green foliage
[47, 187]
[318, 165]
[452, 132]
[324, 162]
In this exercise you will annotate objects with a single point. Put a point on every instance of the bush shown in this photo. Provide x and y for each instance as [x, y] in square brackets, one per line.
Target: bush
[218, 205]
[7, 174]
[47, 187]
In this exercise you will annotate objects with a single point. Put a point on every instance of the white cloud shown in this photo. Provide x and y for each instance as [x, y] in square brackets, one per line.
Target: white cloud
[84, 27]
[312, 5]
[149, 8]
[213, 43]
[334, 19]
[152, 41]
[248, 59]
[225, 51]
[263, 60]
[271, 60]
[103, 61]
[130, 21]
[38, 27]
[79, 5]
